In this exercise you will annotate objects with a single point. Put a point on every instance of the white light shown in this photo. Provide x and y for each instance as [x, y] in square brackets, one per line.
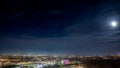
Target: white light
[114, 23]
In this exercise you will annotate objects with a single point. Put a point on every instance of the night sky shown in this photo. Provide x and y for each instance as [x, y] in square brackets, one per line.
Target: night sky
[60, 27]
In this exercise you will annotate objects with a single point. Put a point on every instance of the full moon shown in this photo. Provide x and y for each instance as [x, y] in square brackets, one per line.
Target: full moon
[113, 24]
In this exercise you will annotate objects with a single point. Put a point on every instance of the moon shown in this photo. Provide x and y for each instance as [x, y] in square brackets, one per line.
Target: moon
[114, 24]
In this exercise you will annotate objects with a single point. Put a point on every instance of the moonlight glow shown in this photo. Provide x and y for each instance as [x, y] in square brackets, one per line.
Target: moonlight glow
[113, 24]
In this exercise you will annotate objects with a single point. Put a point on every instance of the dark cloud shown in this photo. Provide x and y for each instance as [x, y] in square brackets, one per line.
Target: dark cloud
[69, 27]
[72, 43]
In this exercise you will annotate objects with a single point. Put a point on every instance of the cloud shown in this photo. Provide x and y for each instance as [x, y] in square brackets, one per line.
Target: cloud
[67, 33]
[56, 12]
[71, 43]
[13, 16]
[82, 37]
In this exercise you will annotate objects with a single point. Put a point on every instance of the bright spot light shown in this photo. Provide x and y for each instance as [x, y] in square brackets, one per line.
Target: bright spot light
[114, 23]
